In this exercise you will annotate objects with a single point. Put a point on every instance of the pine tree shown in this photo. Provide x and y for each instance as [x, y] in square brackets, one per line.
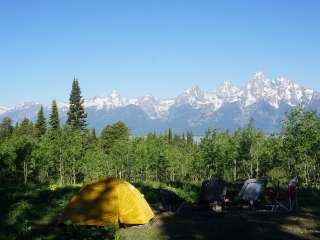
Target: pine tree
[54, 116]
[76, 115]
[189, 138]
[170, 136]
[25, 127]
[92, 136]
[183, 137]
[41, 125]
[6, 128]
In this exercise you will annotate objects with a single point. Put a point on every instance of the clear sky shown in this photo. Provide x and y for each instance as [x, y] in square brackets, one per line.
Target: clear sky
[152, 47]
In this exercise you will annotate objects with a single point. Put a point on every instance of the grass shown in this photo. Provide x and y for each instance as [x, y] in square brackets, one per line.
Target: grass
[233, 224]
[236, 225]
[31, 213]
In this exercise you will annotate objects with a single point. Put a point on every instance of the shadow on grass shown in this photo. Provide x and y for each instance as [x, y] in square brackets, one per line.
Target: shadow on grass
[194, 223]
[24, 208]
[241, 224]
[160, 198]
[30, 213]
[225, 227]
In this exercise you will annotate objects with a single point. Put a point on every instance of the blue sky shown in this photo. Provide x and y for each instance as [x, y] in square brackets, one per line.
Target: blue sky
[152, 47]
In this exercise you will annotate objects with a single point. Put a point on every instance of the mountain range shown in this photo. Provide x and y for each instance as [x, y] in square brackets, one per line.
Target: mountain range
[228, 107]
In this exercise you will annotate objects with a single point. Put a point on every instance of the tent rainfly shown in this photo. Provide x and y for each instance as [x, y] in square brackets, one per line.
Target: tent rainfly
[108, 201]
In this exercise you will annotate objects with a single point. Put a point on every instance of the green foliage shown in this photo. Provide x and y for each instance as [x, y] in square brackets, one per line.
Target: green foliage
[54, 121]
[8, 157]
[31, 155]
[69, 155]
[6, 128]
[111, 134]
[18, 215]
[95, 163]
[17, 164]
[25, 127]
[41, 125]
[117, 236]
[59, 155]
[76, 114]
[217, 153]
[92, 136]
[169, 136]
[189, 138]
[301, 137]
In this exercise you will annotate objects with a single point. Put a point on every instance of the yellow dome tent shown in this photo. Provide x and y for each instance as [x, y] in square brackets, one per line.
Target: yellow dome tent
[108, 201]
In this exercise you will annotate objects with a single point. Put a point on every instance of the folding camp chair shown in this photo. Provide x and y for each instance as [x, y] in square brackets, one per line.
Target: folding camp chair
[251, 191]
[213, 194]
[286, 201]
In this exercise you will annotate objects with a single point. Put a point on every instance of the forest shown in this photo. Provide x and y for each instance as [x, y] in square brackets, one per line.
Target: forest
[49, 151]
[44, 163]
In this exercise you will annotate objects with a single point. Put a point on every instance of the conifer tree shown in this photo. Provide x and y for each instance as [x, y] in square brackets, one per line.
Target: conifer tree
[189, 138]
[183, 137]
[54, 116]
[170, 136]
[6, 128]
[25, 127]
[41, 125]
[76, 115]
[92, 136]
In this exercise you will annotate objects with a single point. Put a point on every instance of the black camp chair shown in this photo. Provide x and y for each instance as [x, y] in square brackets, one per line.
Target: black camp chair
[213, 194]
[251, 191]
[284, 199]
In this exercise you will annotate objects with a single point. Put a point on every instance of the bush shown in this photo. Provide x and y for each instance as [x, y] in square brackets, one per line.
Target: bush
[18, 216]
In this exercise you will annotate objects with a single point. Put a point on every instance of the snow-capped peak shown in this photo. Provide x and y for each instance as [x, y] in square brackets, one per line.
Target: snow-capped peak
[259, 79]
[115, 100]
[228, 92]
[291, 92]
[115, 94]
[259, 87]
[273, 92]
[226, 86]
[193, 96]
[199, 99]
[26, 105]
[154, 107]
[282, 80]
[3, 109]
[63, 106]
[194, 91]
[259, 76]
[148, 98]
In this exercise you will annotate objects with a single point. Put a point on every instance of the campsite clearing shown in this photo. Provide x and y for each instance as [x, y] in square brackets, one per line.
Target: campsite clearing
[236, 225]
[30, 213]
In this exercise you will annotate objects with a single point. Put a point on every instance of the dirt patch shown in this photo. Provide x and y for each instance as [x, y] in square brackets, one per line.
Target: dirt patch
[229, 225]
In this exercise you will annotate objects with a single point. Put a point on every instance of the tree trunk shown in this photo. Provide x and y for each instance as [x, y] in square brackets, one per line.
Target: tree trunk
[73, 172]
[60, 171]
[25, 172]
[61, 179]
[235, 170]
[305, 172]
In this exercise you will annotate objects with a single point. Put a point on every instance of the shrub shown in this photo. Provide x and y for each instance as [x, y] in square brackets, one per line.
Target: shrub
[18, 216]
